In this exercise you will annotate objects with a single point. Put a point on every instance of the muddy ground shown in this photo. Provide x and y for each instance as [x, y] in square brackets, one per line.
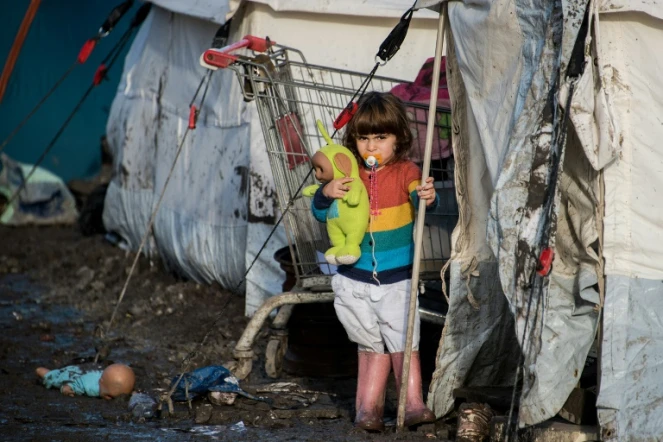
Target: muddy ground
[57, 286]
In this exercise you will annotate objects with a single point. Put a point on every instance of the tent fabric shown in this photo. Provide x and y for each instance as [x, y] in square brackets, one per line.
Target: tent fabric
[221, 205]
[215, 11]
[218, 11]
[478, 342]
[629, 400]
[651, 7]
[612, 134]
[51, 46]
[632, 246]
[203, 214]
[504, 96]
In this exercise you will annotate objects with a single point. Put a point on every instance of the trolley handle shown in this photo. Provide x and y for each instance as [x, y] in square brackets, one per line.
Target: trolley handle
[215, 58]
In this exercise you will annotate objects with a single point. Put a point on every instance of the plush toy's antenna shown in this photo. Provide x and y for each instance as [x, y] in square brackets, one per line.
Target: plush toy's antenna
[324, 133]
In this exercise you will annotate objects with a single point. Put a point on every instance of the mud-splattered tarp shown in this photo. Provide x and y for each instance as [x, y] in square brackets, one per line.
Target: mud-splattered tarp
[200, 229]
[507, 116]
[506, 66]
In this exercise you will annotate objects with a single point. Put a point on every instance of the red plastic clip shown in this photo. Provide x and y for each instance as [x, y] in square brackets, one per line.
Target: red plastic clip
[86, 50]
[345, 116]
[258, 44]
[193, 116]
[545, 261]
[100, 74]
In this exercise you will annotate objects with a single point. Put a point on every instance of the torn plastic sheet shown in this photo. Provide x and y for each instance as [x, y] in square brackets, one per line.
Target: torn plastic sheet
[43, 200]
[209, 430]
[205, 379]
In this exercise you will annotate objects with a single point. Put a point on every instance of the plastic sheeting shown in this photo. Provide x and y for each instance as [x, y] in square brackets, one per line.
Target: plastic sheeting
[198, 225]
[218, 11]
[629, 401]
[478, 343]
[51, 46]
[513, 80]
[615, 119]
[220, 205]
[633, 246]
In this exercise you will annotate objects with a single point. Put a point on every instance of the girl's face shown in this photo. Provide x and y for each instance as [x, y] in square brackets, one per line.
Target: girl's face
[380, 146]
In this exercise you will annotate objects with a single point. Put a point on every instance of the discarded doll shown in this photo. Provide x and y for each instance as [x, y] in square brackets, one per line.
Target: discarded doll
[115, 380]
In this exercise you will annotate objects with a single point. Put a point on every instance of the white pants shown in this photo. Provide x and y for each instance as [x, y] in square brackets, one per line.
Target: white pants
[375, 316]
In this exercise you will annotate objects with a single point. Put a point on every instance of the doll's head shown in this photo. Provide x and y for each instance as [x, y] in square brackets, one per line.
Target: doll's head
[116, 380]
[333, 160]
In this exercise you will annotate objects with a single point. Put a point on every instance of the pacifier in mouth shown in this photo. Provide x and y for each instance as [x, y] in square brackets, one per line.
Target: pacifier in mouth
[372, 160]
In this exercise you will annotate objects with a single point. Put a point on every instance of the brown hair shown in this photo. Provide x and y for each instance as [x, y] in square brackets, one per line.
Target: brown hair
[380, 113]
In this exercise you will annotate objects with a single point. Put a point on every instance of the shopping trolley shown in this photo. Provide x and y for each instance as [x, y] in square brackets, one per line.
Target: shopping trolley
[290, 95]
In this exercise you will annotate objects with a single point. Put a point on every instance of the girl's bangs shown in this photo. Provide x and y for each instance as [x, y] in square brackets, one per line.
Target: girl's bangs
[374, 122]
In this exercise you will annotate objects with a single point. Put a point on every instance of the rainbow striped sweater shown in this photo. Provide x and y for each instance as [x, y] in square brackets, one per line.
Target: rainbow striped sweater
[392, 228]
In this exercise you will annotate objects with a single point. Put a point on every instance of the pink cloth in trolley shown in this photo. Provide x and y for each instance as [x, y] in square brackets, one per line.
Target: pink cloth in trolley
[419, 92]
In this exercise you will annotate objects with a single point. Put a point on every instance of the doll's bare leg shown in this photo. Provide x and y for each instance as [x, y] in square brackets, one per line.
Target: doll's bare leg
[41, 372]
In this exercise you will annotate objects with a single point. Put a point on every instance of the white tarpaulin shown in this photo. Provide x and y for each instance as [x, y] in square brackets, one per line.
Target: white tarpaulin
[631, 63]
[220, 204]
[502, 158]
[507, 62]
[218, 11]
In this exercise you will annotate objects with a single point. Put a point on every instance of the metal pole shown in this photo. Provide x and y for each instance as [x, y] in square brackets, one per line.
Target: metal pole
[421, 213]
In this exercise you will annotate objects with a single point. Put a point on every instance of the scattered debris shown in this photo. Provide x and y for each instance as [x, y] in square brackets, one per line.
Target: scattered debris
[142, 406]
[473, 422]
[221, 398]
[288, 387]
[210, 430]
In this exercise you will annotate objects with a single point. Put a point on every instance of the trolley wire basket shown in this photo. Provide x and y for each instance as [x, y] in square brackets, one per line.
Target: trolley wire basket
[290, 95]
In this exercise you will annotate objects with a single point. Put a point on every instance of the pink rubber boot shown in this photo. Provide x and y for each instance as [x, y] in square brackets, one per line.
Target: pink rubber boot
[416, 411]
[372, 379]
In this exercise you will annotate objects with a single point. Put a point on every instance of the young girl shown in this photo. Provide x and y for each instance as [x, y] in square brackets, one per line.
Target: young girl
[372, 296]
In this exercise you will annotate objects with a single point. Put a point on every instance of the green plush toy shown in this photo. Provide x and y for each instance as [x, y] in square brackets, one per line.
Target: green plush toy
[347, 218]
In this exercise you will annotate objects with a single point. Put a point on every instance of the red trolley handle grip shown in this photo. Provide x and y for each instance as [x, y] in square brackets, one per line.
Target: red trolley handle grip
[222, 57]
